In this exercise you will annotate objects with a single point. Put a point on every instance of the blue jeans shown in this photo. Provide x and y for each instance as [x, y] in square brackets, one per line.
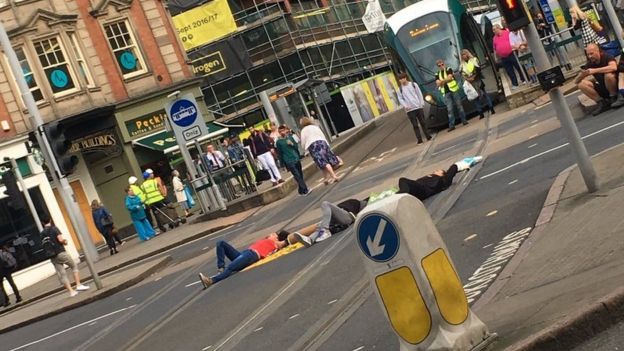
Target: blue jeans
[452, 101]
[297, 172]
[509, 64]
[240, 260]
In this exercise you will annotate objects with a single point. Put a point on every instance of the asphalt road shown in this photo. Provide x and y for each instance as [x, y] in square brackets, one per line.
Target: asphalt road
[611, 339]
[318, 298]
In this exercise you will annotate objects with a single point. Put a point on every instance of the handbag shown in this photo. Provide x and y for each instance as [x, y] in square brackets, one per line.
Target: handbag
[106, 221]
[262, 175]
[471, 92]
[189, 197]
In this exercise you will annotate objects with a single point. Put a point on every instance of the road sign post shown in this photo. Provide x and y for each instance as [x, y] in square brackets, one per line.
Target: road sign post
[188, 124]
[414, 279]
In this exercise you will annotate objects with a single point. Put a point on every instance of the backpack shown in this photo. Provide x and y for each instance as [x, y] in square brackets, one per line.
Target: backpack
[49, 247]
[8, 260]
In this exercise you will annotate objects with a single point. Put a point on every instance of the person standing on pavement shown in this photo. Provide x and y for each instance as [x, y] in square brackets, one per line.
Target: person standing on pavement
[504, 51]
[135, 206]
[152, 187]
[104, 223]
[262, 149]
[288, 152]
[411, 98]
[180, 192]
[313, 140]
[8, 264]
[53, 244]
[216, 159]
[240, 260]
[471, 71]
[445, 80]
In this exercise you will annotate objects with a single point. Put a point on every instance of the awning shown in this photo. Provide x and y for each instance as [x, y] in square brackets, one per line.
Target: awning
[165, 141]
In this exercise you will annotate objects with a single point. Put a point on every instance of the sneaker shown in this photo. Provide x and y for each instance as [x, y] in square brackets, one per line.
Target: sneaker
[603, 105]
[473, 160]
[220, 270]
[619, 102]
[82, 287]
[73, 293]
[324, 234]
[514, 87]
[206, 282]
[306, 241]
[122, 243]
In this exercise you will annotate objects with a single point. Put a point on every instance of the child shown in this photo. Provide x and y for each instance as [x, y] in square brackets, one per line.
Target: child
[137, 214]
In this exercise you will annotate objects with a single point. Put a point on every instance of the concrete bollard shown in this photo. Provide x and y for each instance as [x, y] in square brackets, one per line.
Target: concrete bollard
[414, 278]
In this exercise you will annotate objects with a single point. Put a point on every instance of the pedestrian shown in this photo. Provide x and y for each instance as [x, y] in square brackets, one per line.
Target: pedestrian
[240, 260]
[471, 71]
[445, 80]
[138, 191]
[144, 228]
[411, 98]
[504, 51]
[288, 152]
[262, 149]
[216, 159]
[313, 140]
[590, 29]
[104, 224]
[8, 264]
[53, 244]
[598, 80]
[274, 134]
[155, 193]
[180, 192]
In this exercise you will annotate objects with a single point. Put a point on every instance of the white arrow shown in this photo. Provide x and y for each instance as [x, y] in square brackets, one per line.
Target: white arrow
[373, 244]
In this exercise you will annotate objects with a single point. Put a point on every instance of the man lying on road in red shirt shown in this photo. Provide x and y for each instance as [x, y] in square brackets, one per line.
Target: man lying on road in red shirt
[240, 260]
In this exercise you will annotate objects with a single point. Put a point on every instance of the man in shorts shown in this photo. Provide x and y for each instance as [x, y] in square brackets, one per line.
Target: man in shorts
[598, 79]
[52, 237]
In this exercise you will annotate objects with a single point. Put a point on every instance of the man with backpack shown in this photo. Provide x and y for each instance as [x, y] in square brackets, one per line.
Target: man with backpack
[411, 98]
[53, 245]
[7, 266]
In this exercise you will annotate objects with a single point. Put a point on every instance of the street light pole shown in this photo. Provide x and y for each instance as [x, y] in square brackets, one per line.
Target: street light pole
[542, 63]
[62, 184]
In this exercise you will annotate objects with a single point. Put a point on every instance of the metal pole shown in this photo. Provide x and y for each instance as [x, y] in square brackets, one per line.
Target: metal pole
[31, 205]
[615, 21]
[62, 184]
[563, 112]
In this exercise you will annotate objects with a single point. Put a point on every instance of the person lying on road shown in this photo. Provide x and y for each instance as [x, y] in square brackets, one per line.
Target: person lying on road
[240, 260]
[343, 214]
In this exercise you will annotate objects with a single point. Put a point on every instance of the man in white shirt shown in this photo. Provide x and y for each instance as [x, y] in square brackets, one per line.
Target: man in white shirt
[216, 159]
[411, 98]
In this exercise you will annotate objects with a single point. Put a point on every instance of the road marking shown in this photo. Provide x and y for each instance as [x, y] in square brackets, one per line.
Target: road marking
[258, 329]
[128, 299]
[93, 323]
[72, 328]
[194, 283]
[157, 279]
[205, 248]
[470, 237]
[513, 182]
[206, 348]
[488, 271]
[534, 121]
[492, 213]
[532, 146]
[293, 316]
[549, 151]
[359, 348]
[332, 301]
[488, 245]
[533, 126]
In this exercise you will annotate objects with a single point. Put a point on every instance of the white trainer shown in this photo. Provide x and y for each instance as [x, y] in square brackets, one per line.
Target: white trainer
[305, 240]
[323, 235]
[82, 287]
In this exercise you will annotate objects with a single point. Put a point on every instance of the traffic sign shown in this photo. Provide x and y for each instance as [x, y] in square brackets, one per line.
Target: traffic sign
[548, 14]
[186, 119]
[378, 237]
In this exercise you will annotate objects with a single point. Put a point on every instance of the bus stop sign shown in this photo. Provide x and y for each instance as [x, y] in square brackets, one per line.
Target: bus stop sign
[186, 119]
[378, 237]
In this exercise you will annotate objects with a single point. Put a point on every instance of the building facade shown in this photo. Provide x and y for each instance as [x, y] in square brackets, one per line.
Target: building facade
[104, 68]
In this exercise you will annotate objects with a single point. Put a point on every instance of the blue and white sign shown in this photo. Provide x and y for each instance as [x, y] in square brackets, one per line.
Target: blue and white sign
[186, 118]
[378, 237]
[548, 15]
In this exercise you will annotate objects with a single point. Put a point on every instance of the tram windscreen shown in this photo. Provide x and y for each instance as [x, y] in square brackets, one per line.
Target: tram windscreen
[428, 39]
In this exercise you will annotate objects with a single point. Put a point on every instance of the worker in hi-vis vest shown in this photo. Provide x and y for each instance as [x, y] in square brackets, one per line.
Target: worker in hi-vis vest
[154, 197]
[450, 90]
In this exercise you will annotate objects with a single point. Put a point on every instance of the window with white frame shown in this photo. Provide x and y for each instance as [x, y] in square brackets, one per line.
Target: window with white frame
[83, 69]
[29, 76]
[55, 66]
[125, 48]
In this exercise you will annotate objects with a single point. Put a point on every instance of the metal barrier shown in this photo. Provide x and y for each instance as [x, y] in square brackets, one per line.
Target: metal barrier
[565, 52]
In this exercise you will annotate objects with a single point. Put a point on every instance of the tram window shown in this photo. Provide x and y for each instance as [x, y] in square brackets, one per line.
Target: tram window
[470, 38]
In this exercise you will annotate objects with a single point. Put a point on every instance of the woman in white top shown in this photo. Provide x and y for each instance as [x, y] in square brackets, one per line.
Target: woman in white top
[180, 194]
[313, 140]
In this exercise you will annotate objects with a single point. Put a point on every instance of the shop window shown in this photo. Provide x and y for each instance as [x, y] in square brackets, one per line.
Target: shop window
[57, 70]
[125, 49]
[18, 229]
[29, 76]
[83, 69]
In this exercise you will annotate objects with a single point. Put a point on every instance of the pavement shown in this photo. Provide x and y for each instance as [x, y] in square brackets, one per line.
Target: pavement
[562, 287]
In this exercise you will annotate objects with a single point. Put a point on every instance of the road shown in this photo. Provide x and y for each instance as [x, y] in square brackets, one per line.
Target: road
[318, 298]
[611, 339]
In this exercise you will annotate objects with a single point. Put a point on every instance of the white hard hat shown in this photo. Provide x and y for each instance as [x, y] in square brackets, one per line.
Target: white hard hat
[132, 180]
[149, 170]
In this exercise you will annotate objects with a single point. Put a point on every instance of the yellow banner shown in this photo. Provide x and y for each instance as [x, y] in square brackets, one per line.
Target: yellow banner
[204, 24]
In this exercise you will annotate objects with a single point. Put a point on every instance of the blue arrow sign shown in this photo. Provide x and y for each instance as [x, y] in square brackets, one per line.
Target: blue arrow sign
[183, 112]
[548, 15]
[378, 237]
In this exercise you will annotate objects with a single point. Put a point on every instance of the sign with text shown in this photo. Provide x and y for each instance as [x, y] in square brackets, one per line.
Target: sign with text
[204, 24]
[186, 120]
[154, 121]
[104, 141]
[220, 60]
[374, 18]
